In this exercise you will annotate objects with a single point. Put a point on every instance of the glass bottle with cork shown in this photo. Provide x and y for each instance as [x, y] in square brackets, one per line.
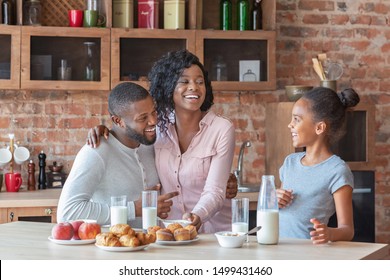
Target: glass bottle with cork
[225, 14]
[243, 15]
[8, 12]
[257, 15]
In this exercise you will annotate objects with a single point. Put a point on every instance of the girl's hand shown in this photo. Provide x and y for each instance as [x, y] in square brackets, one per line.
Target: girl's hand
[195, 219]
[320, 233]
[95, 133]
[285, 197]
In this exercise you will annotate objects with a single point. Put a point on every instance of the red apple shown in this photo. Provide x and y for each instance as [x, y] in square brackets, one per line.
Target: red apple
[89, 230]
[76, 225]
[62, 231]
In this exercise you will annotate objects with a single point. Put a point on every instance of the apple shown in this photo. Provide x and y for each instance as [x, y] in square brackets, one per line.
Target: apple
[89, 230]
[76, 225]
[62, 231]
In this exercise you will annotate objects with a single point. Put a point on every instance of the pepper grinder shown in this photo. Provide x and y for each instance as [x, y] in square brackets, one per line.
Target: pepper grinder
[31, 176]
[42, 174]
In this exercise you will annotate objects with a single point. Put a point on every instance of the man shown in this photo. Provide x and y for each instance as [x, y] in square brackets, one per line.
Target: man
[123, 164]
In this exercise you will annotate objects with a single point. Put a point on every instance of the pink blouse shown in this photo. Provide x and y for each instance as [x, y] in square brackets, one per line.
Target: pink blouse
[201, 173]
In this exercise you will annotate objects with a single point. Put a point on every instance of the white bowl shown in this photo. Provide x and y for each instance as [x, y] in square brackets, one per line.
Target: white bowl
[230, 239]
[183, 223]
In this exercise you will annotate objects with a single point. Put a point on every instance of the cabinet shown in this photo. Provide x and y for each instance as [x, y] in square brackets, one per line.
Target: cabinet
[134, 50]
[43, 48]
[34, 214]
[9, 57]
[356, 147]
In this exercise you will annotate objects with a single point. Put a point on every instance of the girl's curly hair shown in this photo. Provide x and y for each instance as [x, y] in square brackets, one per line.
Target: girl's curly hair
[163, 78]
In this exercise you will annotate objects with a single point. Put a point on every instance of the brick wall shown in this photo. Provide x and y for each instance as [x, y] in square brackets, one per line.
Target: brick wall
[354, 32]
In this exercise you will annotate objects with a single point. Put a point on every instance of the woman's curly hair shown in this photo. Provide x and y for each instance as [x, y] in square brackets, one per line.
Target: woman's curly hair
[163, 78]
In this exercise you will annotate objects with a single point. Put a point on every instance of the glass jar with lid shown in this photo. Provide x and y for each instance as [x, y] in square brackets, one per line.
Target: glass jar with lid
[32, 12]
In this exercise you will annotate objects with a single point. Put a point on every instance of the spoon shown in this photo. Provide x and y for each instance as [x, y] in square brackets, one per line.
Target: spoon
[253, 230]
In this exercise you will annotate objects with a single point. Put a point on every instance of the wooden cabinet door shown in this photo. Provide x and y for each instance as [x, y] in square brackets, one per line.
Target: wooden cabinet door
[36, 214]
[9, 57]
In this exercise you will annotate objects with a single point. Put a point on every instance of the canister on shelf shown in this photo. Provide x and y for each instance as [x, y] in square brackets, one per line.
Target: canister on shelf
[32, 12]
[174, 14]
[123, 13]
[148, 14]
[8, 12]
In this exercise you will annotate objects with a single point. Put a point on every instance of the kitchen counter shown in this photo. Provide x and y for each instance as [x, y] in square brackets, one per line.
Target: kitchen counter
[29, 240]
[37, 198]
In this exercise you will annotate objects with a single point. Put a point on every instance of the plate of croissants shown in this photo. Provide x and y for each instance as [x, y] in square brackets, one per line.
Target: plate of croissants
[175, 234]
[123, 238]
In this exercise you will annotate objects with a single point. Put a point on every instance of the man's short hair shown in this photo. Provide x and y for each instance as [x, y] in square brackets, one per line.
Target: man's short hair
[124, 94]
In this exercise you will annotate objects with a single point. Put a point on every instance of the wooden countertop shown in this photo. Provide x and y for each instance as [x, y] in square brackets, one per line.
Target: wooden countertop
[29, 240]
[38, 198]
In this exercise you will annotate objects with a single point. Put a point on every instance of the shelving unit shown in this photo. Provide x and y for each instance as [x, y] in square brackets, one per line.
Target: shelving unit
[133, 50]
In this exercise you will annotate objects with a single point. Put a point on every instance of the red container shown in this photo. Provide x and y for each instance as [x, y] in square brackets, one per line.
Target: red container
[148, 14]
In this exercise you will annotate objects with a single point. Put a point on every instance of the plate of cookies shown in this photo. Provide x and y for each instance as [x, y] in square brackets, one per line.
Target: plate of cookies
[175, 234]
[123, 238]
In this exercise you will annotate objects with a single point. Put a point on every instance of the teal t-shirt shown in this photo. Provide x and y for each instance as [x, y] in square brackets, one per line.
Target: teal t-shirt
[313, 188]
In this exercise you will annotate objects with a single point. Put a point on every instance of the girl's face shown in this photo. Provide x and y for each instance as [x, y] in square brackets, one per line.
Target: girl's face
[303, 128]
[190, 90]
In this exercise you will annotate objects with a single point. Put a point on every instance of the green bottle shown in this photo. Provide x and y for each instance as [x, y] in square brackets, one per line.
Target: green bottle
[225, 14]
[243, 15]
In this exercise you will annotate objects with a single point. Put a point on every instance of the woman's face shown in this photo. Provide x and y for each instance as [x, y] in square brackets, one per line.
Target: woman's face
[302, 126]
[190, 90]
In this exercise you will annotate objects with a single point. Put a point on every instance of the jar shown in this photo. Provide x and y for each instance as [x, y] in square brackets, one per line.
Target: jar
[148, 14]
[174, 14]
[249, 76]
[91, 68]
[219, 72]
[32, 12]
[122, 13]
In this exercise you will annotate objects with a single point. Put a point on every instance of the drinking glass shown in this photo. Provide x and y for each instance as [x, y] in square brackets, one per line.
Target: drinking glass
[149, 209]
[118, 210]
[240, 215]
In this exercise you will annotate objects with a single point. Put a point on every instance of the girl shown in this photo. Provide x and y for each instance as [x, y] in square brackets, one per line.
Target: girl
[316, 183]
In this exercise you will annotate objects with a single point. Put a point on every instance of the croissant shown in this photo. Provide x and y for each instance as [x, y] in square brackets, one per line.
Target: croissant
[122, 229]
[107, 239]
[129, 241]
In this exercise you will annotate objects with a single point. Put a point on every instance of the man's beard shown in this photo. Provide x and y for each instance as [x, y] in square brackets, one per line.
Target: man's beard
[140, 138]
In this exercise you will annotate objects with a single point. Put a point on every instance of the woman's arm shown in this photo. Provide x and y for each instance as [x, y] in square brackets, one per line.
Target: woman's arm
[94, 134]
[214, 192]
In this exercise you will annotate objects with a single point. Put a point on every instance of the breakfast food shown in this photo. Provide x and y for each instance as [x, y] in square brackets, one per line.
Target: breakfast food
[107, 239]
[153, 229]
[122, 229]
[129, 241]
[122, 235]
[181, 234]
[174, 226]
[192, 230]
[164, 234]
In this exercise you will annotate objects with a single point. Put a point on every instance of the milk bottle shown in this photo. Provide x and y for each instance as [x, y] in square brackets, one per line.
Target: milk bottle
[268, 212]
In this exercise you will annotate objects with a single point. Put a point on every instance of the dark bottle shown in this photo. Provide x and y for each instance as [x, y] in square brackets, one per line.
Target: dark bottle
[42, 173]
[257, 15]
[31, 176]
[225, 14]
[243, 15]
[8, 8]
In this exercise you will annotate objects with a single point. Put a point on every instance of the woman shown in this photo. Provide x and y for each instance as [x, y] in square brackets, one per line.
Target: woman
[195, 147]
[316, 183]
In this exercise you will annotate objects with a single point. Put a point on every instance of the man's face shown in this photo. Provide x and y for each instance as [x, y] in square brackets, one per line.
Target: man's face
[140, 121]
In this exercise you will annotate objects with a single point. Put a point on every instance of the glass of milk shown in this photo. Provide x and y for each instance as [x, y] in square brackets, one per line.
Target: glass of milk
[240, 215]
[149, 209]
[118, 210]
